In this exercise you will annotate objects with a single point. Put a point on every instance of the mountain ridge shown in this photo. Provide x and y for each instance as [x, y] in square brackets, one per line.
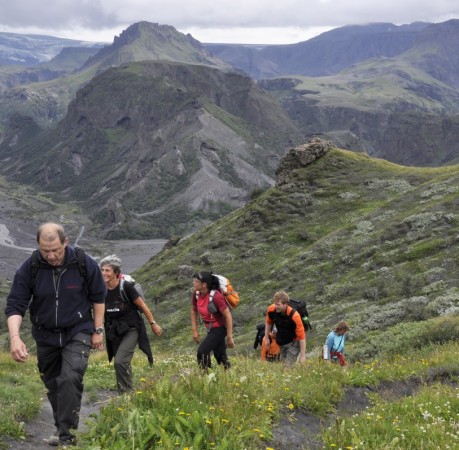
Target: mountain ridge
[47, 101]
[192, 135]
[155, 135]
[32, 49]
[326, 54]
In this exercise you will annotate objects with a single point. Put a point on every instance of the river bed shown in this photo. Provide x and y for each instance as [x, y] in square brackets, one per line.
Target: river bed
[17, 244]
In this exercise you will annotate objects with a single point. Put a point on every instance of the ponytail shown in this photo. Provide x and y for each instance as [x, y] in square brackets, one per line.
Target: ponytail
[209, 278]
[215, 282]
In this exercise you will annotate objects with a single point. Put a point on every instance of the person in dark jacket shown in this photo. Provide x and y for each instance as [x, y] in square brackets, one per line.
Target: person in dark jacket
[124, 324]
[63, 325]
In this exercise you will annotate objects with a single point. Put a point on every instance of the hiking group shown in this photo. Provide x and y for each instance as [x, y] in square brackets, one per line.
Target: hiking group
[73, 301]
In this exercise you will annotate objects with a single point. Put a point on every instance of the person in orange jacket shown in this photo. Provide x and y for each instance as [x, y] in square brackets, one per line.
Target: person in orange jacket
[291, 336]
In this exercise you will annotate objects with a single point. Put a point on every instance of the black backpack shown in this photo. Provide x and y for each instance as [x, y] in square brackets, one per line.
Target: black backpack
[259, 336]
[300, 306]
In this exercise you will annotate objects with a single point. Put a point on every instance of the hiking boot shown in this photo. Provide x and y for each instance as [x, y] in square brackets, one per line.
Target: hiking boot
[56, 441]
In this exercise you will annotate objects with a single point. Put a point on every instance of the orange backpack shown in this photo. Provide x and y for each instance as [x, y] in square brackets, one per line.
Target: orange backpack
[229, 293]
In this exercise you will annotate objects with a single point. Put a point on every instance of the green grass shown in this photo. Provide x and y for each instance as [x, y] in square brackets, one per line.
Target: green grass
[177, 406]
[359, 239]
[426, 420]
[21, 395]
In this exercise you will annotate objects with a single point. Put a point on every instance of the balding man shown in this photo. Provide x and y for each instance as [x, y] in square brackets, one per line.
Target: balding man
[67, 309]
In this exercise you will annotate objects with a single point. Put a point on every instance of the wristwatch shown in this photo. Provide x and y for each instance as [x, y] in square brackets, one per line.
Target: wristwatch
[98, 330]
[153, 323]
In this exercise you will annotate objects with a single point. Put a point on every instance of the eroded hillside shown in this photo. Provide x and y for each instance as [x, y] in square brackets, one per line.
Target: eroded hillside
[155, 148]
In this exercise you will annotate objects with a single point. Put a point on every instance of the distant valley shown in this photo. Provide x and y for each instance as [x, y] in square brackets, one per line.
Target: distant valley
[22, 210]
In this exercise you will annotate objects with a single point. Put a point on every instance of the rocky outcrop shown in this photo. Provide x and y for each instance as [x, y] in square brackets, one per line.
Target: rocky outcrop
[300, 156]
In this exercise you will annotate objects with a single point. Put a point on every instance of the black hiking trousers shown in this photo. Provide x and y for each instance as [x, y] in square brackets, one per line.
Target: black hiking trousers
[62, 370]
[214, 341]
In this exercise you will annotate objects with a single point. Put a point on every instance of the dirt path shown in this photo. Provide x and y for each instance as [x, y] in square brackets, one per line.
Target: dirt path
[299, 430]
[39, 430]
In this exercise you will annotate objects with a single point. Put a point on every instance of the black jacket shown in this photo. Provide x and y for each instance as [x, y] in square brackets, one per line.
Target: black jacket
[59, 300]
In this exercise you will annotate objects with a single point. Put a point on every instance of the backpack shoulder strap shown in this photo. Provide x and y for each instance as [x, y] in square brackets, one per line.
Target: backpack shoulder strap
[81, 264]
[81, 261]
[34, 266]
[122, 292]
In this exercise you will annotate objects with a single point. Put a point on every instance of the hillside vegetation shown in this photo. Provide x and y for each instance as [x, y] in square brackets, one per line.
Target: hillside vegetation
[358, 238]
[406, 400]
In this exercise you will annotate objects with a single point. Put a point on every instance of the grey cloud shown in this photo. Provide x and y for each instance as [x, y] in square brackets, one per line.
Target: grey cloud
[220, 14]
[56, 14]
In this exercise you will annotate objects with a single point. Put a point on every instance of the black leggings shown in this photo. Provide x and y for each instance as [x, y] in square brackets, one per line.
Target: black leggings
[215, 341]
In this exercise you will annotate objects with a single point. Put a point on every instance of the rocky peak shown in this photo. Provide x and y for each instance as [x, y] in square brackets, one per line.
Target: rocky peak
[135, 31]
[300, 156]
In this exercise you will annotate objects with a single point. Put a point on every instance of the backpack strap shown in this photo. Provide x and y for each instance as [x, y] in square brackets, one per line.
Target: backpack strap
[34, 267]
[339, 345]
[124, 297]
[211, 295]
[81, 262]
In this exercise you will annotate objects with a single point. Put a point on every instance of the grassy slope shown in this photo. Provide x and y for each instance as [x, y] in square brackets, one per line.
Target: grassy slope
[175, 406]
[358, 238]
[384, 84]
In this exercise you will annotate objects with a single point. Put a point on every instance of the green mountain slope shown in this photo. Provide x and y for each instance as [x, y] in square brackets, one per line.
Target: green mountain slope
[358, 238]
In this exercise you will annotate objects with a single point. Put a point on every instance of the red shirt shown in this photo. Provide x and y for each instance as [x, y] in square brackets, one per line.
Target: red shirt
[200, 305]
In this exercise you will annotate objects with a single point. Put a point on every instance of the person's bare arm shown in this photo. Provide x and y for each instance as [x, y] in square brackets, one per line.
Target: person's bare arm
[194, 325]
[144, 308]
[229, 327]
[97, 340]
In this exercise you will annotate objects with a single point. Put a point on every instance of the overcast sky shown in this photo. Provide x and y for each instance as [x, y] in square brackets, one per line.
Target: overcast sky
[229, 21]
